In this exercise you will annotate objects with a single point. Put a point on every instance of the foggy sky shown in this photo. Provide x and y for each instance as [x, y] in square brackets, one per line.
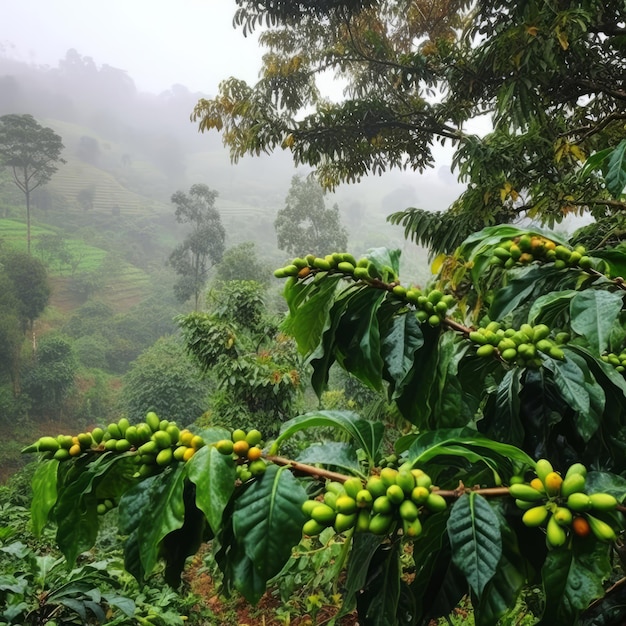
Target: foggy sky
[159, 43]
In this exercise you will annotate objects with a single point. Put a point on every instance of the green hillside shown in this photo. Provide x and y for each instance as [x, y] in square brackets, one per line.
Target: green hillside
[123, 285]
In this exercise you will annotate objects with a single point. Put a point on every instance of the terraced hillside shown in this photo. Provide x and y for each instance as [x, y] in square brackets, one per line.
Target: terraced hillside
[121, 285]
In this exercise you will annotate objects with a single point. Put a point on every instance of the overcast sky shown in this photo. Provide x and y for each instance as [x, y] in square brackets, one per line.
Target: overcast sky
[158, 42]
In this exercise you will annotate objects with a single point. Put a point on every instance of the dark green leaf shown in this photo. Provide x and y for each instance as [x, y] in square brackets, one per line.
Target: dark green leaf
[382, 257]
[572, 578]
[214, 475]
[308, 317]
[324, 355]
[75, 511]
[501, 592]
[604, 482]
[580, 391]
[267, 522]
[148, 513]
[518, 291]
[431, 554]
[467, 443]
[616, 173]
[399, 347]
[44, 486]
[550, 308]
[593, 313]
[507, 426]
[340, 455]
[364, 548]
[476, 541]
[379, 600]
[358, 338]
[366, 435]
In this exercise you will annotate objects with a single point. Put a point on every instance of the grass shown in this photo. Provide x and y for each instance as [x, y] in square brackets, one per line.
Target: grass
[13, 235]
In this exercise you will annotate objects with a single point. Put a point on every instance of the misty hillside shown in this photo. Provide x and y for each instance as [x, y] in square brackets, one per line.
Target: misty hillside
[127, 152]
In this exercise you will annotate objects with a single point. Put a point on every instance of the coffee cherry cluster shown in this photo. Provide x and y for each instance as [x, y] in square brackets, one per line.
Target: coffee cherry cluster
[618, 361]
[105, 505]
[391, 499]
[527, 248]
[246, 448]
[522, 346]
[431, 306]
[338, 262]
[156, 443]
[562, 506]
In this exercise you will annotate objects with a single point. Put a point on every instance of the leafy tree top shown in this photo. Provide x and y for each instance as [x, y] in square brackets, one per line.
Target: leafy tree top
[204, 245]
[550, 78]
[29, 149]
[30, 281]
[305, 223]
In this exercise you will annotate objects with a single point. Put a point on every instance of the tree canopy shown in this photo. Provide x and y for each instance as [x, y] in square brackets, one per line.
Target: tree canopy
[32, 152]
[30, 283]
[204, 245]
[305, 223]
[550, 78]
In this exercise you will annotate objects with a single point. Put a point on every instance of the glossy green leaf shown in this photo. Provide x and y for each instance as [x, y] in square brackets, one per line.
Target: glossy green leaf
[308, 311]
[476, 540]
[378, 601]
[147, 513]
[382, 257]
[75, 510]
[604, 482]
[185, 541]
[615, 177]
[595, 161]
[214, 475]
[323, 357]
[572, 579]
[367, 435]
[415, 401]
[506, 425]
[551, 308]
[335, 454]
[358, 338]
[593, 313]
[267, 523]
[365, 547]
[579, 393]
[399, 347]
[44, 485]
[467, 443]
[615, 258]
[446, 394]
[501, 592]
[519, 291]
[430, 553]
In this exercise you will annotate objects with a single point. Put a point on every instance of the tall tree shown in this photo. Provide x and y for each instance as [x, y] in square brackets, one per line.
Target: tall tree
[32, 152]
[204, 245]
[306, 224]
[550, 77]
[30, 282]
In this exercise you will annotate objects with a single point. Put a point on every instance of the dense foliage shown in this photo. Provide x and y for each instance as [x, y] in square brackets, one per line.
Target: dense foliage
[305, 223]
[203, 247]
[508, 364]
[550, 77]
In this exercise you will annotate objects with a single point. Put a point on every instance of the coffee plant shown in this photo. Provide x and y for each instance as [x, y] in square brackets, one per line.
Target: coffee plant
[508, 367]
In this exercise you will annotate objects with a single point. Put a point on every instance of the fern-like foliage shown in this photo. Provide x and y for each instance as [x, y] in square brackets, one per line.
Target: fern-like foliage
[439, 232]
